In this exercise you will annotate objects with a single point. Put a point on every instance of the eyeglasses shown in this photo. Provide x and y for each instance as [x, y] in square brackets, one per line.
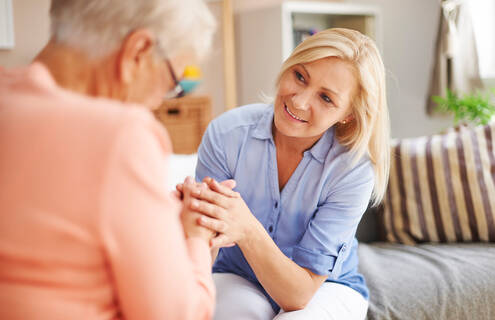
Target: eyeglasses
[178, 91]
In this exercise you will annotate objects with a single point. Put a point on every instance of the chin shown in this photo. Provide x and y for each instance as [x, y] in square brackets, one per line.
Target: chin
[284, 128]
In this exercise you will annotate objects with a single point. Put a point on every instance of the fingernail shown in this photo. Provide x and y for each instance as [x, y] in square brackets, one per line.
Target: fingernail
[196, 192]
[204, 185]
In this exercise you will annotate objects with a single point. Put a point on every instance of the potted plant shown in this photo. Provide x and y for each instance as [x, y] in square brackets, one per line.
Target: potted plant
[471, 108]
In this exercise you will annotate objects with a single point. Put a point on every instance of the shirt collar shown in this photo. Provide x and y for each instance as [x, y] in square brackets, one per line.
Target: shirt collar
[319, 151]
[263, 129]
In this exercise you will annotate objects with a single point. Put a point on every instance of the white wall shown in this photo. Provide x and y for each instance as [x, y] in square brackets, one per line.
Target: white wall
[409, 35]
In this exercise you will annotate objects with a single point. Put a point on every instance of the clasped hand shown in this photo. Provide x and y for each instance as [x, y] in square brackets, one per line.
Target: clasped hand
[221, 210]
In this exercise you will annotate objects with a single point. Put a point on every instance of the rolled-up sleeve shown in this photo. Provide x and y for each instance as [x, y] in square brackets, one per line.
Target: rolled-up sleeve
[211, 156]
[329, 235]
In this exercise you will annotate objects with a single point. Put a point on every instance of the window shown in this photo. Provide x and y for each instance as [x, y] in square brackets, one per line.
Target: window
[483, 17]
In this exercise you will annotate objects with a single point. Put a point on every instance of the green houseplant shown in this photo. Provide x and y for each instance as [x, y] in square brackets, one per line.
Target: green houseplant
[474, 108]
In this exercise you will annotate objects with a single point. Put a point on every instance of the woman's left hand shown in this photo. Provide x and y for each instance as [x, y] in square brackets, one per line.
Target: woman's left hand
[224, 211]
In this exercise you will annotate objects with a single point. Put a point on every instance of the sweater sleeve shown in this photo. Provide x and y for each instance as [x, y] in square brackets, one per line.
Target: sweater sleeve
[157, 273]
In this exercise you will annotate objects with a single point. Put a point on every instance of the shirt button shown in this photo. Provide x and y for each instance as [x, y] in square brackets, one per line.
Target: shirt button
[270, 228]
[276, 204]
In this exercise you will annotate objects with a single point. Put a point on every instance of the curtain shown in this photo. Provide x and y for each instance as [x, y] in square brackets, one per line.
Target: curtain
[456, 58]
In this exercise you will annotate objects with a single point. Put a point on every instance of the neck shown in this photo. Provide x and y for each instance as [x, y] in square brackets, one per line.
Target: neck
[75, 71]
[293, 144]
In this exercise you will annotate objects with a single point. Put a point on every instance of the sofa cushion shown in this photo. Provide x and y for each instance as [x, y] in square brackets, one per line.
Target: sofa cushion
[429, 281]
[442, 188]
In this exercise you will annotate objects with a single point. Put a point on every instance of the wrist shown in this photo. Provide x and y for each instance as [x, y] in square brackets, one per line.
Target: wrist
[199, 232]
[252, 233]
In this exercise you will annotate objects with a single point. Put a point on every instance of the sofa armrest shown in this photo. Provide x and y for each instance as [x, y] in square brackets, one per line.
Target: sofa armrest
[370, 229]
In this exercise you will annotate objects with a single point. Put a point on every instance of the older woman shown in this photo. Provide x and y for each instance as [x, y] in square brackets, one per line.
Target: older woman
[87, 229]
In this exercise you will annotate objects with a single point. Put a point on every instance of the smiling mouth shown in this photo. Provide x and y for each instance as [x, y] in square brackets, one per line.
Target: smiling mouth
[293, 115]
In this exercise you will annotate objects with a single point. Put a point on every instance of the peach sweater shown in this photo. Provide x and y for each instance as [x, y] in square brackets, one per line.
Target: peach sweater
[87, 227]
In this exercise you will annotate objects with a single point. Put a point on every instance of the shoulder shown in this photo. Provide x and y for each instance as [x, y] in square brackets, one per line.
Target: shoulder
[112, 116]
[344, 167]
[241, 118]
[102, 123]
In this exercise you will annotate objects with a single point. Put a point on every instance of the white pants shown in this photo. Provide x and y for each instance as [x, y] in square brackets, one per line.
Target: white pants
[239, 299]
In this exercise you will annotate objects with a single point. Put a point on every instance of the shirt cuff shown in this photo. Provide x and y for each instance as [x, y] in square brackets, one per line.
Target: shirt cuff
[319, 263]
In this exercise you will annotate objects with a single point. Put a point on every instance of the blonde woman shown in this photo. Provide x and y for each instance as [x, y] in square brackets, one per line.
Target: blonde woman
[306, 168]
[88, 228]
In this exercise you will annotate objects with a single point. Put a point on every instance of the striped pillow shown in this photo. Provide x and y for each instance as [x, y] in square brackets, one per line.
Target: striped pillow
[442, 188]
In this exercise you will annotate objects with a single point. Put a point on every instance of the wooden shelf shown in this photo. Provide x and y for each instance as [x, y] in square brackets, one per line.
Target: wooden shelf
[186, 120]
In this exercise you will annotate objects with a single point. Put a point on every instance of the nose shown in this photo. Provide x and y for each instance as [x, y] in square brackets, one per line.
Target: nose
[301, 100]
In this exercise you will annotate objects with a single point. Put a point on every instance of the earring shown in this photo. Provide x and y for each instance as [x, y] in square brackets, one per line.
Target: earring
[344, 121]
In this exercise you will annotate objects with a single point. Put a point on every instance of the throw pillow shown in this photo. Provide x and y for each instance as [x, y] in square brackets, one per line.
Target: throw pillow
[442, 188]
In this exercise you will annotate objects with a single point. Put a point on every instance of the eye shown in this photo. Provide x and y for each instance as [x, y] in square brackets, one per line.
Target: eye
[299, 76]
[325, 98]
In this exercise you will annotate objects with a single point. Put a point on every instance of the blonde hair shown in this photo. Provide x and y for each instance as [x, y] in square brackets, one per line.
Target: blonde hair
[369, 132]
[99, 26]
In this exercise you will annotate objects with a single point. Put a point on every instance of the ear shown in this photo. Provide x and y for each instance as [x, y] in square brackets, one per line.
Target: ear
[347, 119]
[136, 48]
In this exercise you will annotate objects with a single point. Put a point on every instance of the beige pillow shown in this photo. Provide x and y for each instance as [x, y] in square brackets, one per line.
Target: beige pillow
[442, 188]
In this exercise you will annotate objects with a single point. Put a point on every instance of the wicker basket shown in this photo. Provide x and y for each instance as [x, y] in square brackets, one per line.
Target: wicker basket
[186, 120]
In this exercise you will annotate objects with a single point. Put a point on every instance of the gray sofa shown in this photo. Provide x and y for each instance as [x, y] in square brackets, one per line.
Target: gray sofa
[426, 281]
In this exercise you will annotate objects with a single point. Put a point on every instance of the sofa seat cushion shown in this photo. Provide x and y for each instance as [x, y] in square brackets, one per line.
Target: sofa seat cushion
[429, 281]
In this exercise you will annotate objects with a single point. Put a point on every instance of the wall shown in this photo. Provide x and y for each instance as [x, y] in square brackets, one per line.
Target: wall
[246, 5]
[31, 31]
[409, 35]
[212, 83]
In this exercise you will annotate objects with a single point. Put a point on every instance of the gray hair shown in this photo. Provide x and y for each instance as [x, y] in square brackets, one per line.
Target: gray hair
[99, 26]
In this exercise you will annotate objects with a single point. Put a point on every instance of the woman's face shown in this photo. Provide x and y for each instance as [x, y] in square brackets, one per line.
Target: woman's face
[314, 96]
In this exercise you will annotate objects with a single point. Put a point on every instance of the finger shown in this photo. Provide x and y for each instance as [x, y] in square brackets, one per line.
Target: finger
[230, 183]
[214, 185]
[179, 187]
[188, 180]
[176, 194]
[221, 241]
[193, 188]
[212, 224]
[179, 191]
[208, 209]
[211, 196]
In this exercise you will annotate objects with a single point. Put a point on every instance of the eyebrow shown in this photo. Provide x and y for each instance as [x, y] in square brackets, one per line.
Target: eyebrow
[305, 70]
[332, 91]
[324, 88]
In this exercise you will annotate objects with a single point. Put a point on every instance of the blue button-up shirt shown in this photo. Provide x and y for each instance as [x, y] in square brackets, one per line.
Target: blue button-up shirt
[313, 220]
